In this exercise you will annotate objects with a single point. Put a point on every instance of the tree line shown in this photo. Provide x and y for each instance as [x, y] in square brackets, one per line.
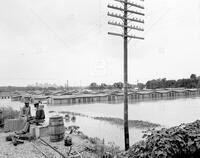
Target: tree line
[116, 85]
[192, 82]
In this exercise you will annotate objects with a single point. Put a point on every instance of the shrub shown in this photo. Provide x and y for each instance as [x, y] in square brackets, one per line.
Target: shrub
[177, 142]
[9, 113]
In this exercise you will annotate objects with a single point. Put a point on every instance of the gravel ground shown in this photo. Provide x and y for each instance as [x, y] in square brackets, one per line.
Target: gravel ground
[27, 150]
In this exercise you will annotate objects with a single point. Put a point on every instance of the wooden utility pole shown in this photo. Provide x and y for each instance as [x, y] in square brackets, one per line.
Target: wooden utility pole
[126, 129]
[67, 85]
[125, 25]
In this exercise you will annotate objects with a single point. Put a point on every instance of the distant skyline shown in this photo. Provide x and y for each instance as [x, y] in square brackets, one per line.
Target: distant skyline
[52, 41]
[46, 84]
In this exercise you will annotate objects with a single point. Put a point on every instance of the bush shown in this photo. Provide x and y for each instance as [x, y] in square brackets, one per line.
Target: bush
[177, 142]
[9, 113]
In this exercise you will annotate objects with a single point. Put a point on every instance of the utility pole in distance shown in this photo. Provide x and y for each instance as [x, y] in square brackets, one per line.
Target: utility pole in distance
[67, 85]
[126, 19]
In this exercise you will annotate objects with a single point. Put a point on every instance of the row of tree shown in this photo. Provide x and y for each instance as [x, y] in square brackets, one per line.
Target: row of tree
[116, 85]
[192, 82]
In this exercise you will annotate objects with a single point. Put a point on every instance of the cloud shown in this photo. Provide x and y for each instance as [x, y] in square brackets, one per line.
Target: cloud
[58, 40]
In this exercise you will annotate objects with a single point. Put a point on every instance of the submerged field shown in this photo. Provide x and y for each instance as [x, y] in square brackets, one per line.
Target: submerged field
[105, 120]
[117, 121]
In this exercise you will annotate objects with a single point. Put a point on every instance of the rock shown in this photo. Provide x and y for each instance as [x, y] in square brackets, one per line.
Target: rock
[107, 155]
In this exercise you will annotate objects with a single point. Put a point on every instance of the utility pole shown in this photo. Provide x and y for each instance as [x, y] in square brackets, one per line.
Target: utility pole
[126, 19]
[67, 85]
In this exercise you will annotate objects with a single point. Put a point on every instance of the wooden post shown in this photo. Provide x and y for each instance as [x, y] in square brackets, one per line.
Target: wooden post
[1, 118]
[126, 25]
[126, 128]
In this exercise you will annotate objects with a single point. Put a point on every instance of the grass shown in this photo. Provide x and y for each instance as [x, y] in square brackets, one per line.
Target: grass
[9, 113]
[132, 123]
[118, 121]
[73, 113]
[99, 147]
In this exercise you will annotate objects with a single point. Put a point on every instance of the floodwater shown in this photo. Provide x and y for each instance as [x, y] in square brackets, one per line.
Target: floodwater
[165, 112]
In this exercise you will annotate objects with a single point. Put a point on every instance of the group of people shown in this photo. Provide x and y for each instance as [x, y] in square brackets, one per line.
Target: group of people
[26, 114]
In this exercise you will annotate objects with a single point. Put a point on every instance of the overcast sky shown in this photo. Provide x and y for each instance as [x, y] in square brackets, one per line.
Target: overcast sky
[58, 40]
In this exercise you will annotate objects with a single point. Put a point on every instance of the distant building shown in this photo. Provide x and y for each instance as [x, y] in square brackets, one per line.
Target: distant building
[5, 95]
